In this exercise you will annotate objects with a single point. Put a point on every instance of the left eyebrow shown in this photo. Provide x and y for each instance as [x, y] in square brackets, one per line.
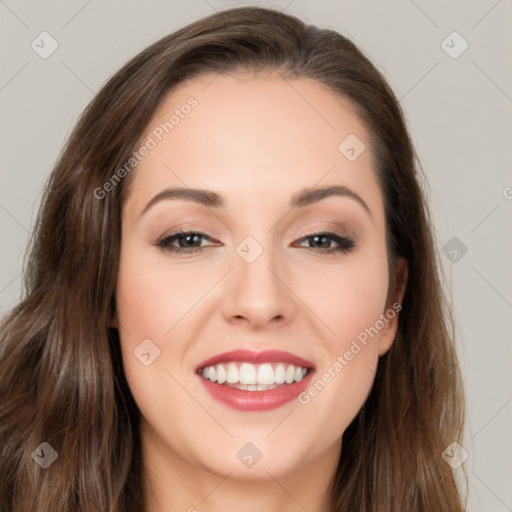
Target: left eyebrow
[309, 196]
[210, 199]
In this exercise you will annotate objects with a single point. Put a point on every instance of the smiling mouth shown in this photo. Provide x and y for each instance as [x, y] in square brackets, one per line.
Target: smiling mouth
[253, 377]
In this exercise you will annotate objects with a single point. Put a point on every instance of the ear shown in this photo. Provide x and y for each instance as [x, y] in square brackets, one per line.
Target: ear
[393, 306]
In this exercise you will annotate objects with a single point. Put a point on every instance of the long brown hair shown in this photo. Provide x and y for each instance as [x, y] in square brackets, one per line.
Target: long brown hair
[61, 378]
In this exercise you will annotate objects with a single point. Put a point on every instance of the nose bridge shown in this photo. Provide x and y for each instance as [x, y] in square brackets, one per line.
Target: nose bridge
[255, 291]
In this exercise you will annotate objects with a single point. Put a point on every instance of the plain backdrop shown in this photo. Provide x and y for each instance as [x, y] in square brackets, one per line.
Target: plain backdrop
[456, 91]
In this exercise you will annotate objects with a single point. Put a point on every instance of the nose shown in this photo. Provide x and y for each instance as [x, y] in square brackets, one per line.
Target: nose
[257, 293]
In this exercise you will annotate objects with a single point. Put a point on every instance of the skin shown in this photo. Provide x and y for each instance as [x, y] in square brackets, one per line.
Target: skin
[256, 140]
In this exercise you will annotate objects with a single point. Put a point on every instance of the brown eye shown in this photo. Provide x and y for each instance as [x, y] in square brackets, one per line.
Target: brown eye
[183, 242]
[322, 242]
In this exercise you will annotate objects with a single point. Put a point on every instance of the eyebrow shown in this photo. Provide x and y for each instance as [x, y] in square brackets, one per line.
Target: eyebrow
[211, 199]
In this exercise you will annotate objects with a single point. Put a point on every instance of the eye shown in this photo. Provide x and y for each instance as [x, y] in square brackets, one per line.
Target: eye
[321, 242]
[187, 242]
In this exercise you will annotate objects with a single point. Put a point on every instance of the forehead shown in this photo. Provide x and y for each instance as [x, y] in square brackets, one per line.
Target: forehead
[251, 134]
[263, 99]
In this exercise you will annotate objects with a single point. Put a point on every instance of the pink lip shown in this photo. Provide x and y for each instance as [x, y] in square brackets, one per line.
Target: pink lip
[256, 400]
[255, 357]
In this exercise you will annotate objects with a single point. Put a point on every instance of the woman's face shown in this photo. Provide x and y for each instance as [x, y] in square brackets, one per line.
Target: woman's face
[294, 278]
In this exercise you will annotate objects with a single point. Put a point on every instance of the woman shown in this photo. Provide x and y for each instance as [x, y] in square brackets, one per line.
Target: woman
[232, 298]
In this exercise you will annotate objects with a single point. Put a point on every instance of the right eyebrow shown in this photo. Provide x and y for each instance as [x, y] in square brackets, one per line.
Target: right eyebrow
[205, 197]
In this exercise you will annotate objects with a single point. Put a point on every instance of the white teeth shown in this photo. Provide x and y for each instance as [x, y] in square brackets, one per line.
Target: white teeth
[290, 374]
[251, 377]
[221, 374]
[247, 374]
[232, 373]
[265, 374]
[280, 374]
[249, 387]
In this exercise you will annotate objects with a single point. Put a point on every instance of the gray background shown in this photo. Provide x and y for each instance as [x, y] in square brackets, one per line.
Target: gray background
[459, 111]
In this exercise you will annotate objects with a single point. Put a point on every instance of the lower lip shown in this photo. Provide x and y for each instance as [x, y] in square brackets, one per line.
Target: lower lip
[242, 400]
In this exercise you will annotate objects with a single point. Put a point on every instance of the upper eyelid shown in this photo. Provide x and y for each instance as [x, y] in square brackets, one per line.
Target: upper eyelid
[310, 233]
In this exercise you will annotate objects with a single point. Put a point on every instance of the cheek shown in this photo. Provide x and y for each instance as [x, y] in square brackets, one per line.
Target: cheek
[153, 295]
[350, 298]
[148, 304]
[349, 302]
[156, 300]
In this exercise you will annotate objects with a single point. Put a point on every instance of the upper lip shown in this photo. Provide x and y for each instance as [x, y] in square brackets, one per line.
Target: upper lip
[255, 357]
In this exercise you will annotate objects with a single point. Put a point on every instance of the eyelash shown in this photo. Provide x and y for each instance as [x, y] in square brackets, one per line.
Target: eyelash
[345, 244]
